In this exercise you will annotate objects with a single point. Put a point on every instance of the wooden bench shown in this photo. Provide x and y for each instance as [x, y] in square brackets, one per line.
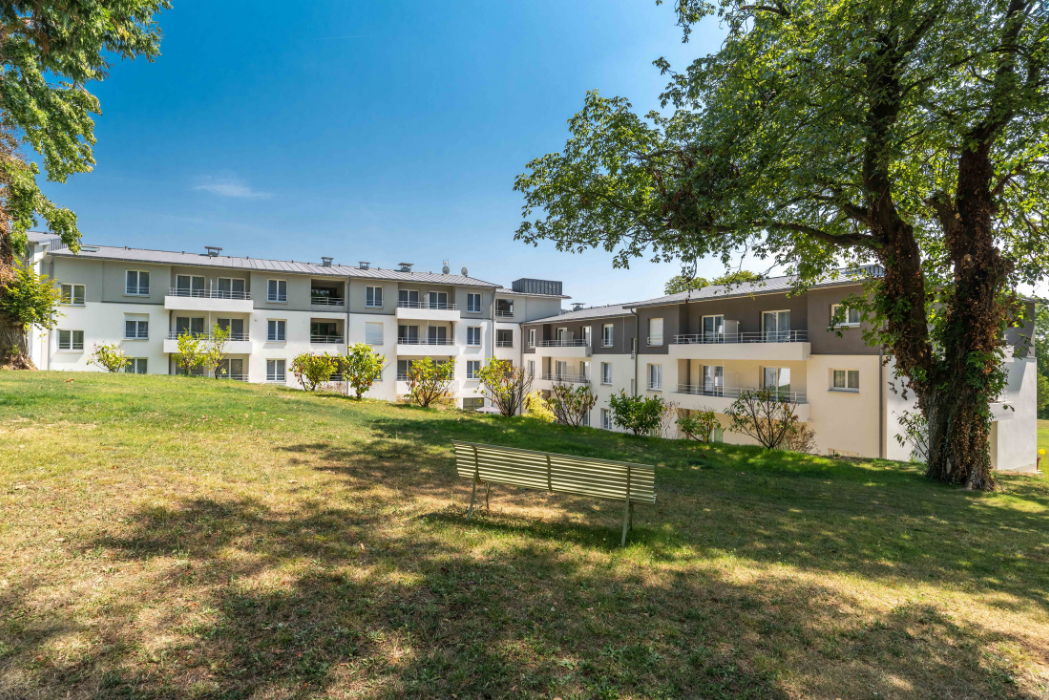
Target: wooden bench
[545, 471]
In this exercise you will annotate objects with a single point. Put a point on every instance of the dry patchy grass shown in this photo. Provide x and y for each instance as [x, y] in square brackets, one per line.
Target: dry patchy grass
[171, 538]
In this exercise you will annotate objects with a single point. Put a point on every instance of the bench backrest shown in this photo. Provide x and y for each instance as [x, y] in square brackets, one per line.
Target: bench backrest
[582, 476]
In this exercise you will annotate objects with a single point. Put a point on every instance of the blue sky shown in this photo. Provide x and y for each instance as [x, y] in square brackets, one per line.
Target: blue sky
[379, 131]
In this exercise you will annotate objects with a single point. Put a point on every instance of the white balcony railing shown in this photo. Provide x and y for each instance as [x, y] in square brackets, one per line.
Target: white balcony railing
[425, 341]
[234, 377]
[655, 386]
[655, 340]
[208, 336]
[566, 378]
[752, 337]
[207, 293]
[504, 314]
[327, 301]
[564, 343]
[326, 339]
[786, 396]
[426, 305]
[504, 343]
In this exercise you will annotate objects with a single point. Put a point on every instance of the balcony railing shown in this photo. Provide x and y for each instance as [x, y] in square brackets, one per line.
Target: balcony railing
[234, 377]
[504, 343]
[426, 305]
[655, 340]
[207, 293]
[425, 341]
[504, 314]
[566, 378]
[564, 343]
[786, 396]
[208, 336]
[401, 377]
[752, 337]
[655, 386]
[327, 301]
[329, 339]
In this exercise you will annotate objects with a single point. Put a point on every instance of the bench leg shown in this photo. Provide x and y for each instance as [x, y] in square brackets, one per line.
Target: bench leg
[473, 492]
[626, 521]
[487, 493]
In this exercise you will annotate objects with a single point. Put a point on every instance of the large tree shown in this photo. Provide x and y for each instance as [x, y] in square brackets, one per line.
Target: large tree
[909, 133]
[49, 51]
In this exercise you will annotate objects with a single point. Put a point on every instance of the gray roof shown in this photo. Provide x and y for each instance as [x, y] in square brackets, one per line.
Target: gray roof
[503, 291]
[608, 311]
[163, 257]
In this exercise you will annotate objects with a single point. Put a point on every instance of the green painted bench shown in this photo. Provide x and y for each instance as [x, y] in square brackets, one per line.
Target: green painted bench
[544, 471]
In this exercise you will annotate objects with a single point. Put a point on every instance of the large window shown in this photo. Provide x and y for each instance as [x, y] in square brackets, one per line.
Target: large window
[851, 316]
[504, 338]
[713, 328]
[277, 291]
[70, 340]
[504, 308]
[775, 325]
[231, 368]
[138, 366]
[136, 283]
[437, 335]
[189, 286]
[437, 300]
[473, 404]
[473, 336]
[232, 288]
[373, 297]
[845, 380]
[473, 303]
[408, 298]
[655, 331]
[73, 294]
[136, 328]
[777, 380]
[403, 367]
[235, 326]
[606, 372]
[473, 368]
[713, 380]
[275, 371]
[408, 335]
[193, 326]
[607, 335]
[373, 333]
[655, 377]
[276, 331]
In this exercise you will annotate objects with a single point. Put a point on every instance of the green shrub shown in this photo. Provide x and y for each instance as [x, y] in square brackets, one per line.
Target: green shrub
[361, 367]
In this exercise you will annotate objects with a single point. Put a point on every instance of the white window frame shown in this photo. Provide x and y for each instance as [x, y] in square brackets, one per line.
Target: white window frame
[382, 334]
[531, 368]
[282, 325]
[232, 293]
[468, 342]
[470, 308]
[276, 299]
[655, 378]
[656, 341]
[138, 283]
[606, 373]
[777, 312]
[132, 368]
[608, 335]
[847, 376]
[273, 376]
[408, 292]
[72, 345]
[375, 293]
[138, 328]
[473, 368]
[703, 326]
[606, 419]
[531, 337]
[71, 299]
[847, 324]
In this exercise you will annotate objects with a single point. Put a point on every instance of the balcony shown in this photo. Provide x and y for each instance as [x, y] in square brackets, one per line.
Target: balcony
[568, 347]
[426, 347]
[427, 311]
[239, 343]
[325, 339]
[504, 343]
[182, 299]
[720, 399]
[504, 313]
[327, 303]
[784, 346]
[565, 378]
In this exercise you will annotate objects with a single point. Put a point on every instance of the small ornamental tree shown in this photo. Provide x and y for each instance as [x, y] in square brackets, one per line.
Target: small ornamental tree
[765, 416]
[110, 357]
[699, 425]
[362, 367]
[313, 369]
[428, 381]
[535, 406]
[639, 415]
[26, 299]
[505, 385]
[572, 406]
[213, 349]
[191, 352]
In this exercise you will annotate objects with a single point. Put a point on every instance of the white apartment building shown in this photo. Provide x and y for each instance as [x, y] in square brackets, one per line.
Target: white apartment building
[700, 350]
[276, 310]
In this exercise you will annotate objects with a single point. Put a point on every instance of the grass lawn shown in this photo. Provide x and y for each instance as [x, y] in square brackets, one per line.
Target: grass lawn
[1043, 436]
[164, 537]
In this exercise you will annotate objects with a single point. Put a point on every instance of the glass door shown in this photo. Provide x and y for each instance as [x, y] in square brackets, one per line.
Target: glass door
[713, 329]
[776, 326]
[408, 298]
[408, 334]
[777, 381]
[713, 380]
[438, 300]
[438, 335]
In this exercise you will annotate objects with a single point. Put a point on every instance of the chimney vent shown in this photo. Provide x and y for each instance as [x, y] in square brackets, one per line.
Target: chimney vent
[577, 306]
[405, 267]
[363, 265]
[326, 262]
[213, 251]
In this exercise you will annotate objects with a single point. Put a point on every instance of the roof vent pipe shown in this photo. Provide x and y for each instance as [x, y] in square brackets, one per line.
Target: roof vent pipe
[213, 251]
[326, 262]
[364, 265]
[577, 306]
[405, 267]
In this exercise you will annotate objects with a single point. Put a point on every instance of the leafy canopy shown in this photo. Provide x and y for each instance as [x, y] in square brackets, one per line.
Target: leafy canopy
[362, 367]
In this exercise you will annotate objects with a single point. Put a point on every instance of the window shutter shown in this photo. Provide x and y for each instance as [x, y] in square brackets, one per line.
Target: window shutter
[373, 333]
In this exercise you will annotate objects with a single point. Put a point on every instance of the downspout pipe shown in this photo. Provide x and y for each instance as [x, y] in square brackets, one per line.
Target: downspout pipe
[635, 350]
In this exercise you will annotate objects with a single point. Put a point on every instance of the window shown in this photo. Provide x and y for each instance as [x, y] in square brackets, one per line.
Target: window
[231, 368]
[473, 336]
[562, 336]
[136, 328]
[193, 326]
[189, 286]
[713, 380]
[713, 329]
[325, 332]
[531, 337]
[437, 300]
[473, 303]
[473, 368]
[408, 335]
[193, 371]
[276, 331]
[606, 372]
[137, 366]
[473, 404]
[845, 380]
[606, 419]
[776, 326]
[230, 288]
[504, 308]
[275, 370]
[235, 326]
[437, 335]
[136, 283]
[851, 316]
[777, 380]
[531, 368]
[277, 291]
[73, 294]
[607, 335]
[408, 298]
[373, 297]
[655, 377]
[403, 367]
[504, 338]
[655, 331]
[71, 340]
[587, 335]
[373, 333]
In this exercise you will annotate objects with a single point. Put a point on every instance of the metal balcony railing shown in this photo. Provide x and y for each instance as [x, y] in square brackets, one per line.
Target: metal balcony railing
[326, 339]
[504, 343]
[207, 293]
[277, 299]
[566, 378]
[655, 340]
[426, 305]
[402, 377]
[425, 341]
[208, 336]
[504, 314]
[564, 343]
[655, 386]
[752, 337]
[327, 301]
[234, 377]
[734, 392]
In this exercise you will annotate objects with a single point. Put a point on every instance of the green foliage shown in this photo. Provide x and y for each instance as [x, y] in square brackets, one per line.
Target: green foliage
[572, 405]
[1043, 394]
[313, 369]
[766, 417]
[505, 385]
[682, 283]
[214, 349]
[699, 425]
[641, 415]
[428, 381]
[110, 357]
[192, 350]
[536, 407]
[361, 367]
[29, 299]
[50, 50]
